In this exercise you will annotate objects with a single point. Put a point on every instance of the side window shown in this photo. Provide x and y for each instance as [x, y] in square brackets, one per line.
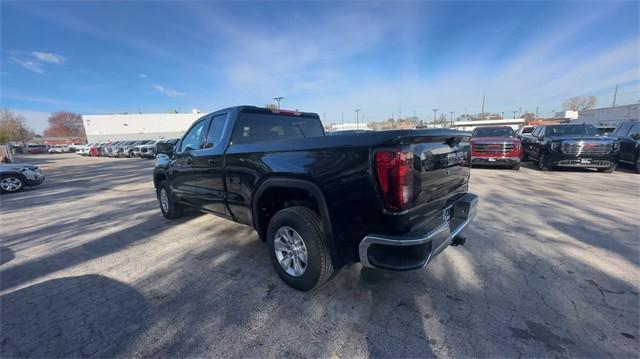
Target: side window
[535, 132]
[193, 139]
[635, 131]
[624, 129]
[215, 130]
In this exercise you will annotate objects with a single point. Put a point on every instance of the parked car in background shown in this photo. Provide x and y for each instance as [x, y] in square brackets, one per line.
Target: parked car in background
[495, 146]
[128, 149]
[58, 149]
[15, 177]
[109, 149]
[628, 133]
[37, 149]
[391, 199]
[147, 150]
[524, 130]
[139, 145]
[571, 145]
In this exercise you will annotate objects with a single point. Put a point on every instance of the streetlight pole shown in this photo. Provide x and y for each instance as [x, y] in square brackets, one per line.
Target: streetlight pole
[278, 99]
[514, 113]
[435, 111]
[357, 118]
[451, 112]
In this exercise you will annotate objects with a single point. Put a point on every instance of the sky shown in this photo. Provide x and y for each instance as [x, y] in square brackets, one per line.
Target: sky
[331, 58]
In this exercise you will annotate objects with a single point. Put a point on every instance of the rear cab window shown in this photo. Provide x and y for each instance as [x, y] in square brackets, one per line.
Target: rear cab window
[263, 125]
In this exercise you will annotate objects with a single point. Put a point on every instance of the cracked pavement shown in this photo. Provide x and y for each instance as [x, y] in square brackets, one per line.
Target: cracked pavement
[89, 267]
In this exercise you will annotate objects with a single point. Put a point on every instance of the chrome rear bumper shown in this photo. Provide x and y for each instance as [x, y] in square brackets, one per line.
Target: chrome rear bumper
[415, 249]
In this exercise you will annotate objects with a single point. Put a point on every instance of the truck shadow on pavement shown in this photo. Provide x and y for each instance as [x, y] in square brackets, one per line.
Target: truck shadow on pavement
[72, 317]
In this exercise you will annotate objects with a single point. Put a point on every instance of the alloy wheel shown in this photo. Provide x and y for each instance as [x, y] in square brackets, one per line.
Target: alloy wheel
[10, 184]
[291, 251]
[164, 200]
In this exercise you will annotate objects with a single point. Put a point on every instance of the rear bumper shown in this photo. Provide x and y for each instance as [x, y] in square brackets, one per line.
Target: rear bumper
[415, 249]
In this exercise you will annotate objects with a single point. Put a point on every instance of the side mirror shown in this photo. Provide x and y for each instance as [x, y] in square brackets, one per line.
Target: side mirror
[540, 137]
[164, 148]
[636, 136]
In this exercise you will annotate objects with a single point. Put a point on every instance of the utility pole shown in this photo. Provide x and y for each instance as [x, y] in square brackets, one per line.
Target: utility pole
[435, 111]
[342, 115]
[514, 113]
[615, 94]
[414, 115]
[502, 114]
[482, 113]
[451, 112]
[278, 99]
[357, 118]
[537, 109]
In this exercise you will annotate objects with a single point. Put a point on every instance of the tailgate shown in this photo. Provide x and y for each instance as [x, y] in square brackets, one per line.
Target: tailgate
[439, 171]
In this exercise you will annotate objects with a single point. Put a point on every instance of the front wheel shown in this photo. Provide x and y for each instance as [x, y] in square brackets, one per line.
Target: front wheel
[170, 208]
[638, 164]
[607, 170]
[297, 247]
[11, 183]
[541, 165]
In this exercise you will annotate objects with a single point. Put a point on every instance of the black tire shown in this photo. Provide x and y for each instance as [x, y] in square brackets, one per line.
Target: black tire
[131, 155]
[638, 164]
[308, 225]
[172, 209]
[516, 167]
[608, 170]
[11, 183]
[541, 165]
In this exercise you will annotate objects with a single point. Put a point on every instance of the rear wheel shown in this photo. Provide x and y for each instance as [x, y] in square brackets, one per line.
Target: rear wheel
[170, 208]
[297, 247]
[11, 183]
[516, 167]
[638, 164]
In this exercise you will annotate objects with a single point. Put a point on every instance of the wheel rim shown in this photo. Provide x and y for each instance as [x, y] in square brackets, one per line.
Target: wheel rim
[291, 251]
[10, 184]
[164, 201]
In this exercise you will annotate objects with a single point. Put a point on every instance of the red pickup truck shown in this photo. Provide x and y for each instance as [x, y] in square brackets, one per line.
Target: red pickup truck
[495, 146]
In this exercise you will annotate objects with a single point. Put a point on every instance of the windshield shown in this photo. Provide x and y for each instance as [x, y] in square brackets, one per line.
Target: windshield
[493, 132]
[571, 130]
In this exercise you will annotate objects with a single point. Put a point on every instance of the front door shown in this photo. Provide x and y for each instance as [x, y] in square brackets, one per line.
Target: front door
[210, 168]
[182, 174]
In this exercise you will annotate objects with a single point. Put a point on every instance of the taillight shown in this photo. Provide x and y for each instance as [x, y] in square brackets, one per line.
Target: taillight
[394, 169]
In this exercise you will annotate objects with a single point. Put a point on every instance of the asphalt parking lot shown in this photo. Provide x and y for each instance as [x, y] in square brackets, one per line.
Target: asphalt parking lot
[89, 267]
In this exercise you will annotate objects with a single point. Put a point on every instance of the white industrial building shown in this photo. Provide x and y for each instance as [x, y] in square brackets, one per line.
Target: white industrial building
[103, 128]
[514, 123]
[609, 117]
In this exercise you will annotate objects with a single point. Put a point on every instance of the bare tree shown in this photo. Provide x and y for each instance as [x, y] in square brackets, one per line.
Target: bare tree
[13, 128]
[65, 124]
[580, 103]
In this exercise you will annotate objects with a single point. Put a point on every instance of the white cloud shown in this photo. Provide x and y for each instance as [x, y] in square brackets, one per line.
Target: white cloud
[142, 76]
[168, 92]
[30, 65]
[49, 57]
[35, 61]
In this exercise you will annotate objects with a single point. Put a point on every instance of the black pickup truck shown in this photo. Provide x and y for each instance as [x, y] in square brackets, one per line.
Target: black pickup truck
[390, 200]
[571, 145]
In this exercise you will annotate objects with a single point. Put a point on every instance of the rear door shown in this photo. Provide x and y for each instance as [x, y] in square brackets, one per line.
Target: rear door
[182, 174]
[209, 166]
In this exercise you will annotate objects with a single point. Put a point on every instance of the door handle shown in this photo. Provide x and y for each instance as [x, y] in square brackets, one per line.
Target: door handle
[213, 161]
[189, 161]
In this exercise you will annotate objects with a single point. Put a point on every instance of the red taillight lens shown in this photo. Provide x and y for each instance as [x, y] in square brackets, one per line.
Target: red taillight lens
[394, 169]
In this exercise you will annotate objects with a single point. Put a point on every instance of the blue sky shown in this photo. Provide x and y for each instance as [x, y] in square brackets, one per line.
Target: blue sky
[329, 58]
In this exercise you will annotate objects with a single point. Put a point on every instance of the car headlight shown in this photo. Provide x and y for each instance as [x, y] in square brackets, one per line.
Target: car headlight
[555, 146]
[616, 146]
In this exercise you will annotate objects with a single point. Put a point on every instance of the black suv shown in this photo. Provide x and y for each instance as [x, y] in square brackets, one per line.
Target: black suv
[628, 133]
[571, 145]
